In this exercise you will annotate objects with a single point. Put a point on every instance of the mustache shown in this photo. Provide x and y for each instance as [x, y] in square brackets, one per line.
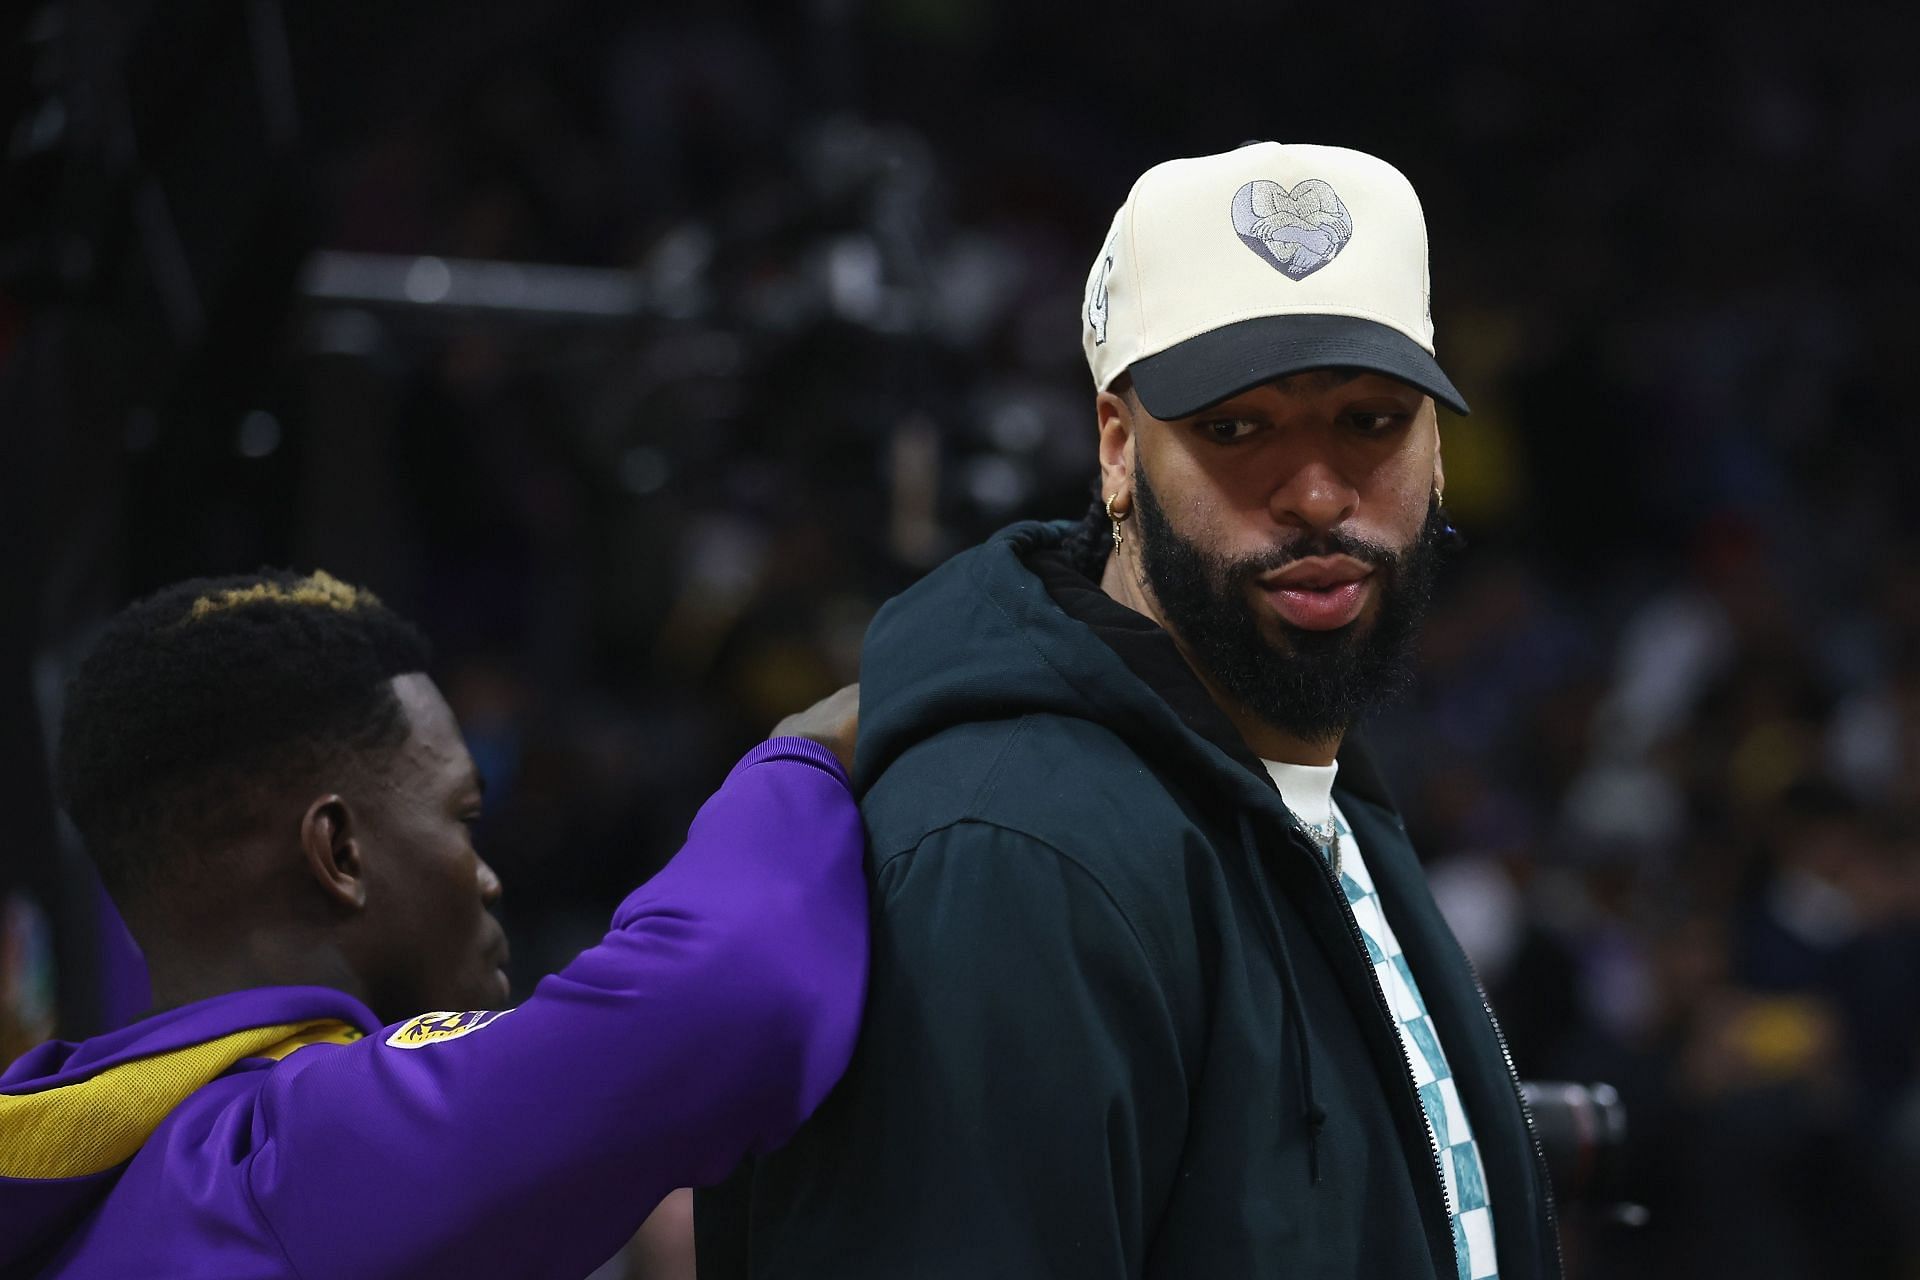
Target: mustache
[1327, 543]
[1436, 533]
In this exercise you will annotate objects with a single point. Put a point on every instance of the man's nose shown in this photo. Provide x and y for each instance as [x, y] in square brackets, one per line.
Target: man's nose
[490, 887]
[1314, 498]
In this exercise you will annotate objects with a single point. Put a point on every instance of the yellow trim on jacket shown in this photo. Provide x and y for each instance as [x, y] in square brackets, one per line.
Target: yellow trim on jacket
[93, 1124]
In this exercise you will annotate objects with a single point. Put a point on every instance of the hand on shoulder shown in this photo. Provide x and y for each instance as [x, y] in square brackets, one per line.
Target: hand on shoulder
[833, 722]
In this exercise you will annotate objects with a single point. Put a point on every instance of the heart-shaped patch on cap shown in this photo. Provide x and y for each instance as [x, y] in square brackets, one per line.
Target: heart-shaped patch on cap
[1296, 232]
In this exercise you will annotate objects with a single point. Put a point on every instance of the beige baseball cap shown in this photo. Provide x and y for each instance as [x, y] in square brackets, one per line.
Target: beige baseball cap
[1226, 271]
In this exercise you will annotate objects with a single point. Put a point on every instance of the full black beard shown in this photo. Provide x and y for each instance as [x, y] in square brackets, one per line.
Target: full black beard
[1317, 684]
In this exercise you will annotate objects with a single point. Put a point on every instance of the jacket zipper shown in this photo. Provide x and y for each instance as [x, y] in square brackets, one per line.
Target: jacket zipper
[1406, 1063]
[1526, 1112]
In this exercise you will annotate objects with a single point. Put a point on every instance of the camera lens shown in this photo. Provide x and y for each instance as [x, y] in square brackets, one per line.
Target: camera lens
[1583, 1134]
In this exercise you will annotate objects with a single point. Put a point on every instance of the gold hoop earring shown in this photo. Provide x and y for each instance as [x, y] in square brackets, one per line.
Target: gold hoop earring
[1116, 520]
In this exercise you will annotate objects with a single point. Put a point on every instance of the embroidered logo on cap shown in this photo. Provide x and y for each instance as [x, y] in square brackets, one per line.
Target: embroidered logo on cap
[433, 1028]
[1296, 232]
[1097, 309]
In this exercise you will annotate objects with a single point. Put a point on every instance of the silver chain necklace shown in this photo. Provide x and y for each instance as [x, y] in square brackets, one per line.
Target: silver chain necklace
[1327, 836]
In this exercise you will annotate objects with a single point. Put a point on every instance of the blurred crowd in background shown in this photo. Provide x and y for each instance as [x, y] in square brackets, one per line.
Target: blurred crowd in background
[813, 325]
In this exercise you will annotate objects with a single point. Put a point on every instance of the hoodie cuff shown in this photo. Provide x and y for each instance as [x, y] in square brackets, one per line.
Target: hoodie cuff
[804, 750]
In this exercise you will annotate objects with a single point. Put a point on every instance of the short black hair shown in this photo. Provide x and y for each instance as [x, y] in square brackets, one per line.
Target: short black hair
[197, 700]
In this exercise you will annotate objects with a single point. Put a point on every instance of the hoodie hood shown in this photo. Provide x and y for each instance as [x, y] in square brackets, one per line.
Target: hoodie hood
[982, 639]
[73, 1114]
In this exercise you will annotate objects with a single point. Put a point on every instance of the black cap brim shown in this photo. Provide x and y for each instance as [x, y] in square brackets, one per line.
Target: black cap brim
[1204, 370]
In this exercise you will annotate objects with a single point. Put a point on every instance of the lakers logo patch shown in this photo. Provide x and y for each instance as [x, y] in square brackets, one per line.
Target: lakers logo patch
[436, 1028]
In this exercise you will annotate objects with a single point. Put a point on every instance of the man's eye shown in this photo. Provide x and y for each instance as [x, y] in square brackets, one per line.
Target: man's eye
[1228, 430]
[1374, 424]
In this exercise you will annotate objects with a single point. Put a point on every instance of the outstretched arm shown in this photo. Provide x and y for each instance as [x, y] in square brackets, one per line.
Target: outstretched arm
[709, 1022]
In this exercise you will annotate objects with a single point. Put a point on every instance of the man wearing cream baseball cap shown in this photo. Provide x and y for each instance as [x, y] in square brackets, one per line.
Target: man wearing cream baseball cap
[1157, 985]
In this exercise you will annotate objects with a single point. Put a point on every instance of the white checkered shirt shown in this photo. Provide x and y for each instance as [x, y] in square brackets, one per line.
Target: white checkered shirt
[1453, 1141]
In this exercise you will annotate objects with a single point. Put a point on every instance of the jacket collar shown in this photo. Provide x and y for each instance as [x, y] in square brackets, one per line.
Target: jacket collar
[56, 1063]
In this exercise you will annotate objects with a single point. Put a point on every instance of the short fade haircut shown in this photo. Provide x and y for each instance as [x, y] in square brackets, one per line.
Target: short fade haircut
[198, 700]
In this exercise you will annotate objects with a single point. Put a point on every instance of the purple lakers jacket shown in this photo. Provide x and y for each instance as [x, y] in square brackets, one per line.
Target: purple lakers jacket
[284, 1132]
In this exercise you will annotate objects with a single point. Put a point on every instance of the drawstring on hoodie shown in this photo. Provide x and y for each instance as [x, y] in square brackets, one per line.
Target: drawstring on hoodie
[1314, 1114]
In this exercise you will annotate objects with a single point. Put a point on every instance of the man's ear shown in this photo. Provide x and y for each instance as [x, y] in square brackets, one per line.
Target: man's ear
[1117, 430]
[331, 847]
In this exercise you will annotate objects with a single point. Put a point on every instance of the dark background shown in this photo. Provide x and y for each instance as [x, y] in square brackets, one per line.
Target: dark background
[797, 317]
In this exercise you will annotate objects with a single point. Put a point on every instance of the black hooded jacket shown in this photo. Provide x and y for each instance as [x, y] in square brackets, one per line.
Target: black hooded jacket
[1120, 1019]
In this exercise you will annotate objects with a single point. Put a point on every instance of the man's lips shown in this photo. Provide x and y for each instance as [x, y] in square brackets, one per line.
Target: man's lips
[1319, 593]
[497, 956]
[498, 949]
[1317, 573]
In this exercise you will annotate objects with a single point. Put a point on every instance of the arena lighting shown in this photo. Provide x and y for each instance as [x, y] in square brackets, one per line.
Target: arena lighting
[467, 284]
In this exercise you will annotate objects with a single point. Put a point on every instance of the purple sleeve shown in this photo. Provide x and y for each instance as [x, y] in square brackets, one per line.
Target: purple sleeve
[708, 1024]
